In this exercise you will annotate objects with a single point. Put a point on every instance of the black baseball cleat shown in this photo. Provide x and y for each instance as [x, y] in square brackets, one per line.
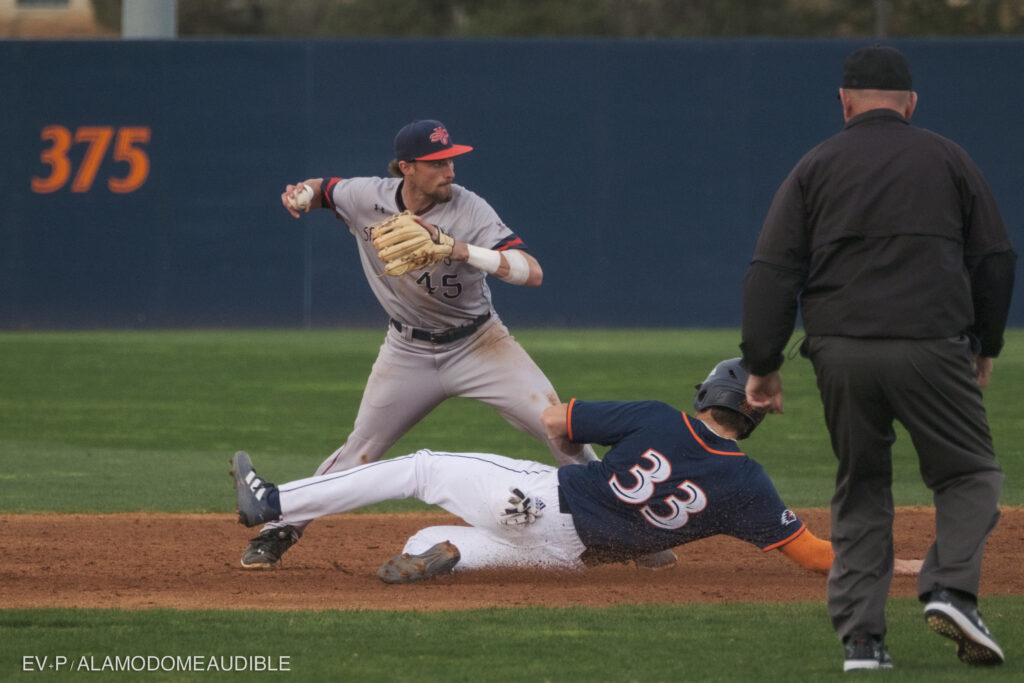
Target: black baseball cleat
[866, 652]
[959, 620]
[257, 499]
[265, 551]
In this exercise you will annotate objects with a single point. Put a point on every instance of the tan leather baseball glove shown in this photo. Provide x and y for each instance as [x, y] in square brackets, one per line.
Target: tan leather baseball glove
[404, 244]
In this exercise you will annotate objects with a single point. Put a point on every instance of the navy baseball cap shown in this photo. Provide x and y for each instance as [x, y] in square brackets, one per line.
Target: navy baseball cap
[426, 140]
[876, 68]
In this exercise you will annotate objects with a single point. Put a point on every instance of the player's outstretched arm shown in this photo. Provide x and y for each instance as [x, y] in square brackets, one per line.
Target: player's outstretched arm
[514, 266]
[302, 197]
[810, 552]
[816, 554]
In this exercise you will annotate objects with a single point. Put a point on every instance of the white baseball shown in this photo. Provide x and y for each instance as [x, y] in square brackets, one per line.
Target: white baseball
[300, 199]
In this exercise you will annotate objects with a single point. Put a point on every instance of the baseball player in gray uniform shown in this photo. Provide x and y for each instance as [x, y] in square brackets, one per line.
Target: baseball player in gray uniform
[444, 338]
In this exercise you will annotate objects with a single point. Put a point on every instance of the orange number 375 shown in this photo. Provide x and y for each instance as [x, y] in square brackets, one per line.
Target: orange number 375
[127, 149]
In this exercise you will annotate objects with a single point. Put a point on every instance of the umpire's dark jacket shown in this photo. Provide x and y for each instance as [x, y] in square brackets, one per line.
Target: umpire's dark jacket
[884, 231]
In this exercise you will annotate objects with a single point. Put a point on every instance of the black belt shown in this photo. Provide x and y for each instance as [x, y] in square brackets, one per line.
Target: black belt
[448, 335]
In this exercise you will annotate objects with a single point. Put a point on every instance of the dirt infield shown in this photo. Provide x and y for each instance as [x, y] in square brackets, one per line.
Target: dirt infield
[132, 561]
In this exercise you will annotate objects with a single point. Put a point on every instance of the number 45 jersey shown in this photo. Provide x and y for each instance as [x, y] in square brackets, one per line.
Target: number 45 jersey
[448, 294]
[667, 480]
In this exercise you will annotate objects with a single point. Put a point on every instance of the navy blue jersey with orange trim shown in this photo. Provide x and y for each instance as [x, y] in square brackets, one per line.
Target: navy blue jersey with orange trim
[667, 480]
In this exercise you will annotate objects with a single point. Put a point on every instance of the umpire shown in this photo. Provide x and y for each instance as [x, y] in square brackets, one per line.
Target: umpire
[891, 241]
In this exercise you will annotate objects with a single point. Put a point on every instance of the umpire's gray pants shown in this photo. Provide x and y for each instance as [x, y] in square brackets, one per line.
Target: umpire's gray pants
[930, 387]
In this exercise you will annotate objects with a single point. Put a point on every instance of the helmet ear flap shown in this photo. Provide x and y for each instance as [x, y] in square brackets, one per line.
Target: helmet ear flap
[700, 400]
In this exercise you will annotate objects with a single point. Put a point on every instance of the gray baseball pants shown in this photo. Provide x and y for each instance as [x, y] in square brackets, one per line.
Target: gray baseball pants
[929, 386]
[410, 378]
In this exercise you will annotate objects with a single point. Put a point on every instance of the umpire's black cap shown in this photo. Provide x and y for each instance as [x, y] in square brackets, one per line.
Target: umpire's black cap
[877, 68]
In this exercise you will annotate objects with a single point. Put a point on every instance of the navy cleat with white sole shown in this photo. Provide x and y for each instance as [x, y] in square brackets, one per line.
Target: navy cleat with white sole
[257, 499]
[866, 652]
[959, 620]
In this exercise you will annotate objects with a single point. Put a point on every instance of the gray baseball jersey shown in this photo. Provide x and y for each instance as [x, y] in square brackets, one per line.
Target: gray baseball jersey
[449, 294]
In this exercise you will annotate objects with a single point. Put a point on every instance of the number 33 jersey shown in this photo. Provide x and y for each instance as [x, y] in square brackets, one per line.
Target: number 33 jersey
[667, 480]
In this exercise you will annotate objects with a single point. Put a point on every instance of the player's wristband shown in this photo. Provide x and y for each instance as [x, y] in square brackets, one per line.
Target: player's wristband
[489, 261]
[486, 260]
[518, 267]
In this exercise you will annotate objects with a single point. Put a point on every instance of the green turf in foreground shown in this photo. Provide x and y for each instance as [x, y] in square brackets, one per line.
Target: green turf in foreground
[732, 642]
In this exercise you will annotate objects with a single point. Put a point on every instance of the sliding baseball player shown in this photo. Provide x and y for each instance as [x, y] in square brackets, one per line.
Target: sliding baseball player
[669, 479]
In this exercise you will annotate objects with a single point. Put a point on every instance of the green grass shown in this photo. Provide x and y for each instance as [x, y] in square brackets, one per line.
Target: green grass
[730, 642]
[146, 421]
[87, 417]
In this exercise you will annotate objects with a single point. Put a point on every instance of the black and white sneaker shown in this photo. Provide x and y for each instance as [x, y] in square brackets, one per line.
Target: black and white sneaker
[265, 551]
[257, 499]
[865, 652]
[960, 621]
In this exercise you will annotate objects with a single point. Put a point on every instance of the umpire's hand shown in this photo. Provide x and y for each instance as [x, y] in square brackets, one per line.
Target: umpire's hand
[983, 370]
[765, 391]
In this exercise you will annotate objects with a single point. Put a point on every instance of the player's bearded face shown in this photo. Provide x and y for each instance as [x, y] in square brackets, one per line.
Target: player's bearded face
[434, 179]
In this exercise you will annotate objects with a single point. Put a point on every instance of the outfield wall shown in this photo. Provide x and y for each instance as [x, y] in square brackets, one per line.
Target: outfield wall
[142, 179]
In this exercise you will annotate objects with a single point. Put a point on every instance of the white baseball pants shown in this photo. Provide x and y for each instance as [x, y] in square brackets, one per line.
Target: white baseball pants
[473, 486]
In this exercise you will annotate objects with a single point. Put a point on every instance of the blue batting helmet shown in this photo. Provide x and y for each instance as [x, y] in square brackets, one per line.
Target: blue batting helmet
[726, 387]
